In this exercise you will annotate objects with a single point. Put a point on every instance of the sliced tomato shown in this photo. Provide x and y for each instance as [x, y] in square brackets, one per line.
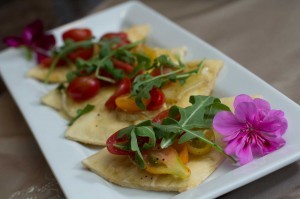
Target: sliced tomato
[46, 62]
[127, 68]
[121, 35]
[78, 34]
[111, 35]
[127, 103]
[113, 140]
[83, 53]
[157, 99]
[83, 88]
[165, 161]
[182, 150]
[162, 115]
[198, 147]
[123, 88]
[158, 71]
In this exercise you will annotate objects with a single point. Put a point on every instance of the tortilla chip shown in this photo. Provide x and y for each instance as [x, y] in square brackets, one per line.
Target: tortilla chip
[120, 170]
[154, 52]
[136, 33]
[96, 126]
[53, 99]
[200, 84]
[57, 75]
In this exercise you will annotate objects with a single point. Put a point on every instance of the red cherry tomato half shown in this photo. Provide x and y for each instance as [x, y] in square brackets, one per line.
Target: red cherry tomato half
[83, 53]
[157, 71]
[83, 88]
[77, 34]
[157, 99]
[113, 140]
[121, 35]
[46, 62]
[111, 35]
[160, 116]
[127, 68]
[123, 88]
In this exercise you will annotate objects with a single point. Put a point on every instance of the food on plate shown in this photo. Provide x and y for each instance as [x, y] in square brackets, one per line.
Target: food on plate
[96, 126]
[89, 50]
[165, 154]
[178, 149]
[111, 88]
[125, 82]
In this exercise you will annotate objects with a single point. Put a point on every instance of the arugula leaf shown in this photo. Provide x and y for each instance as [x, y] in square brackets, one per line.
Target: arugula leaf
[163, 60]
[100, 61]
[125, 55]
[193, 116]
[191, 135]
[141, 63]
[80, 112]
[148, 132]
[193, 121]
[65, 50]
[135, 147]
[198, 116]
[71, 75]
[61, 86]
[143, 84]
[143, 129]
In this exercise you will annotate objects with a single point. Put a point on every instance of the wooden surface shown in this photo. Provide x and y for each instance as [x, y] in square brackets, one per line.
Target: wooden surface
[263, 36]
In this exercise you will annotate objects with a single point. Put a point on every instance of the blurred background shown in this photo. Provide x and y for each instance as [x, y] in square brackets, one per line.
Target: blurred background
[15, 14]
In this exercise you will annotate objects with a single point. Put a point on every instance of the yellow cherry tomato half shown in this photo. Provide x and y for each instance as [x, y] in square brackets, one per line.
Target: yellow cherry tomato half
[166, 161]
[182, 150]
[198, 147]
[127, 103]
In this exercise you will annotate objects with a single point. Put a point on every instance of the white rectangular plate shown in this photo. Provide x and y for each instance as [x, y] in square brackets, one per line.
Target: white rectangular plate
[64, 156]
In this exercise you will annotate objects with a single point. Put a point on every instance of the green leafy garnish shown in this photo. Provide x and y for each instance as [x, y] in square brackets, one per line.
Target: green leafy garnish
[88, 108]
[191, 125]
[102, 61]
[61, 86]
[28, 52]
[64, 50]
[143, 84]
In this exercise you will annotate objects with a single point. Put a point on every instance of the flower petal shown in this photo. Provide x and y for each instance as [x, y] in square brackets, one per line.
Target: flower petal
[46, 42]
[262, 104]
[269, 124]
[269, 145]
[246, 112]
[245, 154]
[277, 113]
[32, 31]
[233, 145]
[241, 98]
[13, 41]
[226, 124]
[283, 126]
[273, 123]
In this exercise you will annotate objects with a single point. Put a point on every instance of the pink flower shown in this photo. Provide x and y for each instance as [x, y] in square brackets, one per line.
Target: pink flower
[34, 38]
[253, 129]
